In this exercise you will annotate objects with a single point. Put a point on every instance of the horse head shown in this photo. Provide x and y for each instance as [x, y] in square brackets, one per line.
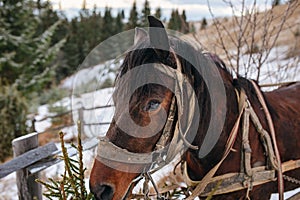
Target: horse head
[157, 100]
[110, 179]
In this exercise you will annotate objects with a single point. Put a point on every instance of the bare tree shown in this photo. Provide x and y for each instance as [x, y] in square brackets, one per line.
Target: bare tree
[247, 39]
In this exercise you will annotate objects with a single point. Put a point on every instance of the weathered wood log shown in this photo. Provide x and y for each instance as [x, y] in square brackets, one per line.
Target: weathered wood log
[27, 159]
[28, 189]
[45, 163]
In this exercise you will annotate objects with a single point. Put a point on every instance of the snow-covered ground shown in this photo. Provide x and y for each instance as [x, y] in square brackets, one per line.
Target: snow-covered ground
[93, 77]
[276, 69]
[96, 74]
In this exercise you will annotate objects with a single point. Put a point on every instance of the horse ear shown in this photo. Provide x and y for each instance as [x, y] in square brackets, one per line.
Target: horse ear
[158, 37]
[139, 34]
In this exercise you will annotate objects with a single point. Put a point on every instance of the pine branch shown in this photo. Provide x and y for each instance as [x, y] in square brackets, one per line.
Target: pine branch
[81, 167]
[68, 165]
[72, 183]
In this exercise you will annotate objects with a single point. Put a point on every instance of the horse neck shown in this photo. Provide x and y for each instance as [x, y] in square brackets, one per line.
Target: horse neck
[199, 167]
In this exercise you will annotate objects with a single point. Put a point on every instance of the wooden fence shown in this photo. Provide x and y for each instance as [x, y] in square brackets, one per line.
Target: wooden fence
[30, 158]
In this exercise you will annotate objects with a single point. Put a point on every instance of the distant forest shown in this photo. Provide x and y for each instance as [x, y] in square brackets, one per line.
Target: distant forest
[91, 27]
[40, 46]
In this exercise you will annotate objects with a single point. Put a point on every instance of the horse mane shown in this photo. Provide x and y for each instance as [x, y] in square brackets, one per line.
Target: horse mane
[241, 82]
[143, 53]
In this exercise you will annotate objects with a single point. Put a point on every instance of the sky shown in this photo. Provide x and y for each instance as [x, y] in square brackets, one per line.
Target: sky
[195, 9]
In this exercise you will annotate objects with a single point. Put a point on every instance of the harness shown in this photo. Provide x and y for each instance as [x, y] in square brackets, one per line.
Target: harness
[165, 152]
[248, 176]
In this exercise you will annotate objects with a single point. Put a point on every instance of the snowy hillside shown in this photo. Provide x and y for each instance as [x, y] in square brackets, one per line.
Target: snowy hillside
[277, 68]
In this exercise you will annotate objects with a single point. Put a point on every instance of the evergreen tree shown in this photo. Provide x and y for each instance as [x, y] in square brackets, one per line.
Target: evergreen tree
[119, 26]
[158, 13]
[275, 3]
[26, 56]
[203, 23]
[171, 24]
[178, 22]
[84, 33]
[133, 17]
[123, 14]
[13, 110]
[107, 27]
[71, 48]
[94, 27]
[183, 16]
[26, 62]
[84, 11]
[184, 25]
[146, 11]
[47, 15]
[175, 21]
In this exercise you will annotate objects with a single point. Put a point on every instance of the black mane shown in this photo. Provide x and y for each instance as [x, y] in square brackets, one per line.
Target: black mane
[144, 53]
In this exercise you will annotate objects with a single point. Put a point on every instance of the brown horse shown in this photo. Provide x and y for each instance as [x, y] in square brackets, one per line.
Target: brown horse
[112, 179]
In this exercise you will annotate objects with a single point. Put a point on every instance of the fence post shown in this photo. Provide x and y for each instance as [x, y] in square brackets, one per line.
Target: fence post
[28, 189]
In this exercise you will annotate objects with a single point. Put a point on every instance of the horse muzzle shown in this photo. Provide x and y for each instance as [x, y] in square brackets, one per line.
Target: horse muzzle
[107, 183]
[102, 192]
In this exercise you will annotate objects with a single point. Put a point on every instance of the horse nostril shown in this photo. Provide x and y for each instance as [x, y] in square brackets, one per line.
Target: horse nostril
[103, 192]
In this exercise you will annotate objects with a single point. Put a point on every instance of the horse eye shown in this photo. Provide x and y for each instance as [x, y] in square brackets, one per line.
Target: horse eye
[152, 106]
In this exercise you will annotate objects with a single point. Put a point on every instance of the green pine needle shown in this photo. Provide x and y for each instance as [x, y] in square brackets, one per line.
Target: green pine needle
[71, 183]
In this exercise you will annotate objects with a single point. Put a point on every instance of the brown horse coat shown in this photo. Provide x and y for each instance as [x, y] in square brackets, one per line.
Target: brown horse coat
[283, 104]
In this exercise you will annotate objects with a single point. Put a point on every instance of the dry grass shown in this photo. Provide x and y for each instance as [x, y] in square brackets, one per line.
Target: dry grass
[51, 134]
[229, 30]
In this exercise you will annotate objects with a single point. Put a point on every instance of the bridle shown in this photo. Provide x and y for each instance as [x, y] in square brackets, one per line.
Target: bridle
[169, 144]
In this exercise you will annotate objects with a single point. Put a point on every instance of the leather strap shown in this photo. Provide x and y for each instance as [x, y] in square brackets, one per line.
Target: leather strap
[273, 136]
[201, 185]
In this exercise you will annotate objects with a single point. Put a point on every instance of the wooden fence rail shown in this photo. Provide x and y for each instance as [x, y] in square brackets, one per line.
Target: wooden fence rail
[80, 114]
[29, 158]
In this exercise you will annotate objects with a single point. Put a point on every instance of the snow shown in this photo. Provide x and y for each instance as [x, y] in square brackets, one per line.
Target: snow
[43, 125]
[276, 69]
[98, 73]
[8, 187]
[94, 115]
